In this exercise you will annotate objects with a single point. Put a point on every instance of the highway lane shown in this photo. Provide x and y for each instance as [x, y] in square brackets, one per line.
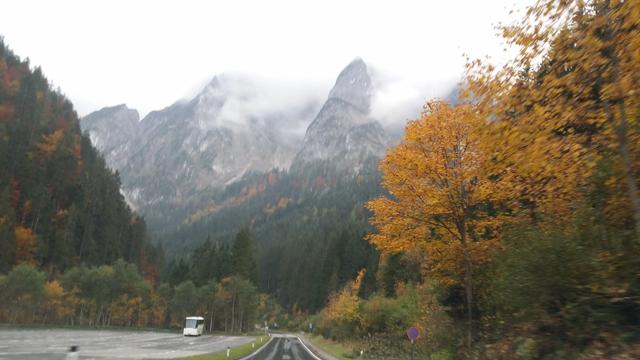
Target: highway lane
[101, 344]
[283, 348]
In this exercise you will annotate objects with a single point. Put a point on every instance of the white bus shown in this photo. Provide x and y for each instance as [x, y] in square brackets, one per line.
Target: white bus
[193, 326]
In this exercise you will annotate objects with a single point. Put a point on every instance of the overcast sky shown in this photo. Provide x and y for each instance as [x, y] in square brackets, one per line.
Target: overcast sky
[148, 54]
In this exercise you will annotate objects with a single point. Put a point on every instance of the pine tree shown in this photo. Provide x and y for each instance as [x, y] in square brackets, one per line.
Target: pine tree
[244, 256]
[7, 235]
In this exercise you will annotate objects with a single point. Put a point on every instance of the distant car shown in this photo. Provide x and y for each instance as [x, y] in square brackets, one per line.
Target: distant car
[193, 326]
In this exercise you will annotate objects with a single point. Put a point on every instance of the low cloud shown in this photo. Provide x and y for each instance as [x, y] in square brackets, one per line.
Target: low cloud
[397, 100]
[288, 106]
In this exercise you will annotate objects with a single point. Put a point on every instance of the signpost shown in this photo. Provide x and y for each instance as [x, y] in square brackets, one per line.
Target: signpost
[414, 334]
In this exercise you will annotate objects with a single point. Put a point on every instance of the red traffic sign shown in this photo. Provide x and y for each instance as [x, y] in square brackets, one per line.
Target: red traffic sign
[413, 333]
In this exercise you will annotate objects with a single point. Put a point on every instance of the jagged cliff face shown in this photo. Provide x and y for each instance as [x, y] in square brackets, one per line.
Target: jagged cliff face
[343, 132]
[190, 147]
[175, 155]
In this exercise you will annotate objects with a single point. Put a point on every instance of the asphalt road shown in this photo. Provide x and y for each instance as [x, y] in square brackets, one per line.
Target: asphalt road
[98, 344]
[285, 348]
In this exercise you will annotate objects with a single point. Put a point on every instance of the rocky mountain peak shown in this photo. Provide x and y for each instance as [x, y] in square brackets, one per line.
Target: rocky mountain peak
[353, 85]
[122, 111]
[343, 132]
[214, 88]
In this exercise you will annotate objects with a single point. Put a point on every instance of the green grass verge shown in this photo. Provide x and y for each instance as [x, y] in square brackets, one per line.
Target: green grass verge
[236, 352]
[333, 348]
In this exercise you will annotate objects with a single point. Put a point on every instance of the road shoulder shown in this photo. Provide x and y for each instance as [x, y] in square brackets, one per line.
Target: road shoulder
[315, 350]
[262, 347]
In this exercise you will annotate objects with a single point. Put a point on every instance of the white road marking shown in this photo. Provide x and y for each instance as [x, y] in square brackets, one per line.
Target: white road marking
[306, 348]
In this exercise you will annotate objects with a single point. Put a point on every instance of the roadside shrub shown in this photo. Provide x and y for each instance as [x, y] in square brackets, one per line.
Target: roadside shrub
[391, 315]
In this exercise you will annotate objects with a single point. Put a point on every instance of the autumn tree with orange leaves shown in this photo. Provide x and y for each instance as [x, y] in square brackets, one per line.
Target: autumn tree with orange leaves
[567, 102]
[441, 197]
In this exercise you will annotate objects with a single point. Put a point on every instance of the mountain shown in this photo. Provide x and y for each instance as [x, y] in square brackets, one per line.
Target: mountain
[174, 159]
[113, 131]
[342, 132]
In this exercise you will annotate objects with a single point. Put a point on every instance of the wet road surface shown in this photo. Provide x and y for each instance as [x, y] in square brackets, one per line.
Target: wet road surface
[283, 348]
[98, 344]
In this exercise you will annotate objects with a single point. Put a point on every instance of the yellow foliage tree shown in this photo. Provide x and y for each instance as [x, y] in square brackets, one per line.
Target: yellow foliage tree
[60, 305]
[343, 308]
[568, 99]
[26, 243]
[441, 196]
[125, 310]
[158, 310]
[50, 143]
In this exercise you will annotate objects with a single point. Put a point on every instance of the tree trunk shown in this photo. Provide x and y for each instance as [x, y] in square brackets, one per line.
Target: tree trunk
[233, 310]
[15, 314]
[467, 282]
[632, 186]
[469, 296]
[211, 321]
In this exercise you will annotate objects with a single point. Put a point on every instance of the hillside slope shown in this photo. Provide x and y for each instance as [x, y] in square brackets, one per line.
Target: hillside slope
[60, 205]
